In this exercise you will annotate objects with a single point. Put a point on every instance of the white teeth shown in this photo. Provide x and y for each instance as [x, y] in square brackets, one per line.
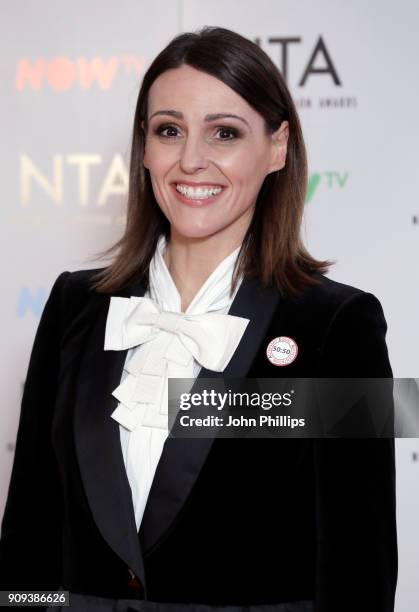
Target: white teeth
[200, 193]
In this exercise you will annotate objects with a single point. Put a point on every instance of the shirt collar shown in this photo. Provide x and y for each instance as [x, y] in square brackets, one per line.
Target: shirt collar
[213, 295]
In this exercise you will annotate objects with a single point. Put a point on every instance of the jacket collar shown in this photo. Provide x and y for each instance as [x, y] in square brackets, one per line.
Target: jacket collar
[97, 435]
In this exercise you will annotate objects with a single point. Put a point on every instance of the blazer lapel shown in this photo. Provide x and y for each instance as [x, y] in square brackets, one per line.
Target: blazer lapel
[98, 446]
[182, 459]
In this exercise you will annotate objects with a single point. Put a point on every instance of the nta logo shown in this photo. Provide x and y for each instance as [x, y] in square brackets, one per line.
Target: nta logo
[312, 67]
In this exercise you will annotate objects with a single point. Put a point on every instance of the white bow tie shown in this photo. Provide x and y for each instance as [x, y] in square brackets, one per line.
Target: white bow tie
[172, 337]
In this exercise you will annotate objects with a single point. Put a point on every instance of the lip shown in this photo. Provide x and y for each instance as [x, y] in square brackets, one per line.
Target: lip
[196, 203]
[201, 184]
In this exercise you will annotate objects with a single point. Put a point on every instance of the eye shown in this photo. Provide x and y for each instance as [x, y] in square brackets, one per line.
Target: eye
[230, 130]
[162, 128]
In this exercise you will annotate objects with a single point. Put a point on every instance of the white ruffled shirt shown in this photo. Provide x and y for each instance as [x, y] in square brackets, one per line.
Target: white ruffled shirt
[142, 440]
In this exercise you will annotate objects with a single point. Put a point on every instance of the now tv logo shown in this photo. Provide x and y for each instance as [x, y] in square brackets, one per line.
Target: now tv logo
[63, 73]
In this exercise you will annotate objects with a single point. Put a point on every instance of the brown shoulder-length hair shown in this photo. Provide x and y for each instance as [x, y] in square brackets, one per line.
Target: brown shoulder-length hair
[272, 249]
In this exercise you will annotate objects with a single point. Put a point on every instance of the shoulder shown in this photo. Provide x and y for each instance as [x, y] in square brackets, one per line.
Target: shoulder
[333, 319]
[79, 280]
[348, 326]
[328, 293]
[75, 285]
[329, 300]
[73, 293]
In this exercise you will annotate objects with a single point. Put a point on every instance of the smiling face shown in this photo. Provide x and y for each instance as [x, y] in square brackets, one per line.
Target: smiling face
[206, 170]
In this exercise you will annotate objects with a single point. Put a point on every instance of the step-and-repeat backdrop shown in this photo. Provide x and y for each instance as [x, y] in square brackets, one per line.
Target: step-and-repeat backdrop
[69, 77]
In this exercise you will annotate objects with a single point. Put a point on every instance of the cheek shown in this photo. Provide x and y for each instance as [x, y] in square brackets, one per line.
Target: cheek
[158, 159]
[157, 165]
[245, 168]
[159, 192]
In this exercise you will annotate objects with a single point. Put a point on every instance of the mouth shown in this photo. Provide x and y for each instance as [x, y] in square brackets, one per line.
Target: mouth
[199, 195]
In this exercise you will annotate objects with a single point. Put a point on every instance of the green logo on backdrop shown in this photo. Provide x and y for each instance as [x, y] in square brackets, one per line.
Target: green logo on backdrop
[331, 179]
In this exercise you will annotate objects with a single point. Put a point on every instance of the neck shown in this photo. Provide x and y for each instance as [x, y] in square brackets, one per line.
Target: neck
[191, 261]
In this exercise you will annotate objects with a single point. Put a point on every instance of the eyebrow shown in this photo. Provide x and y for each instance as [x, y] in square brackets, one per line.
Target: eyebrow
[210, 117]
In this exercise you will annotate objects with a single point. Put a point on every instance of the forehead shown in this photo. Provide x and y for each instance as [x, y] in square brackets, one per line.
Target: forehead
[194, 92]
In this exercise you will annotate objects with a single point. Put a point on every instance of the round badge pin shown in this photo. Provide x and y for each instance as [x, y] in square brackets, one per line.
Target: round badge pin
[282, 351]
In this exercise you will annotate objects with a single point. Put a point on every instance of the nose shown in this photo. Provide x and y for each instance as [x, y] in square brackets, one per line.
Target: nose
[193, 154]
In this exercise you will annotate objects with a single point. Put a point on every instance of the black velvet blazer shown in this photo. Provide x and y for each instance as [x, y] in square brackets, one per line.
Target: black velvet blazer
[228, 521]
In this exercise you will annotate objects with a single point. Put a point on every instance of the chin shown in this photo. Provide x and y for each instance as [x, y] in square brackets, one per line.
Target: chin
[188, 231]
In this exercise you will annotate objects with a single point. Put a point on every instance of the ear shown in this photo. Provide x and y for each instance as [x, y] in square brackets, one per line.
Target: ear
[145, 162]
[279, 144]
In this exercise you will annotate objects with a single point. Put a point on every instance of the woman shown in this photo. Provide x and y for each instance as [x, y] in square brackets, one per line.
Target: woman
[101, 503]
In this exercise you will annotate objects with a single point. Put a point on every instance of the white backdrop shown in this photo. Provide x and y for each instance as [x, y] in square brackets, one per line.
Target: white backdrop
[69, 77]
